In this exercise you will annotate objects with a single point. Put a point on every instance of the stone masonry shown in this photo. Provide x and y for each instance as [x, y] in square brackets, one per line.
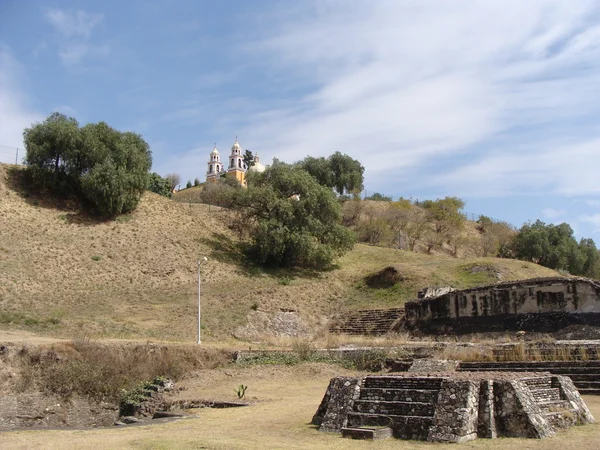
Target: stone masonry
[451, 407]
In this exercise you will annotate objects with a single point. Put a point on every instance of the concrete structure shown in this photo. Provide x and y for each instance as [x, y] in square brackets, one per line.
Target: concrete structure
[540, 304]
[451, 407]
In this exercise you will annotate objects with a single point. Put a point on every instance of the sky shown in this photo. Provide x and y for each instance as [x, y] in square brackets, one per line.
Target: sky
[491, 101]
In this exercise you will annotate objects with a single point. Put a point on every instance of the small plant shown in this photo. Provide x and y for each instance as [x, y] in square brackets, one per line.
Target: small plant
[63, 217]
[96, 258]
[284, 280]
[241, 391]
[254, 306]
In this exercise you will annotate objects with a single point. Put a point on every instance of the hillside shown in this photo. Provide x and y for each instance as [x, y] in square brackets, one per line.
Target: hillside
[66, 274]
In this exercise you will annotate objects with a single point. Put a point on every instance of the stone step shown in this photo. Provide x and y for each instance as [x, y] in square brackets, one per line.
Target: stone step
[584, 376]
[546, 395]
[373, 433]
[399, 395]
[587, 384]
[404, 427]
[589, 391]
[538, 383]
[529, 364]
[554, 406]
[394, 408]
[429, 383]
[561, 419]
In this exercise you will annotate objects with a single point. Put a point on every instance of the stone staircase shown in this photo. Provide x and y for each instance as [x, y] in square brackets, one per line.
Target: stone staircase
[585, 374]
[556, 410]
[367, 321]
[401, 404]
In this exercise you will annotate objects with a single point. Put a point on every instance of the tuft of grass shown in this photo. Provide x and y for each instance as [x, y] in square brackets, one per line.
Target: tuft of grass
[96, 258]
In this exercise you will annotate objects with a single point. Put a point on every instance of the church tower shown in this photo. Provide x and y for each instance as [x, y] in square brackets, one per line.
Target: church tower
[237, 168]
[215, 166]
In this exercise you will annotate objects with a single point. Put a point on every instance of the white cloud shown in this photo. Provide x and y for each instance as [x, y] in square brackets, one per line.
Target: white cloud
[405, 86]
[593, 219]
[15, 112]
[74, 30]
[552, 213]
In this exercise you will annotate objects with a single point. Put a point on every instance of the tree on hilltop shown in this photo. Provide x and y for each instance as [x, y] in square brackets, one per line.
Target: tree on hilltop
[295, 220]
[339, 172]
[106, 167]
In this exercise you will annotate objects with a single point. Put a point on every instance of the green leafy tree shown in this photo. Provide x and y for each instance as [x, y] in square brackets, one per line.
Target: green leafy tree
[248, 158]
[159, 185]
[196, 182]
[554, 246]
[379, 197]
[296, 220]
[118, 172]
[339, 172]
[188, 184]
[52, 150]
[106, 167]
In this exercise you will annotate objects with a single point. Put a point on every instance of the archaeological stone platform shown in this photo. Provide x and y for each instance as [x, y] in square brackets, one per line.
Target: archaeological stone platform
[451, 407]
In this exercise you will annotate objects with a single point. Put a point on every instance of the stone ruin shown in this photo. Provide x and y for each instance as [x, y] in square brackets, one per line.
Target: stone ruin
[451, 407]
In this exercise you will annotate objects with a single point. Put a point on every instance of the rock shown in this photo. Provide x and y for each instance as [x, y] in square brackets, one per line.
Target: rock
[118, 423]
[164, 414]
[129, 419]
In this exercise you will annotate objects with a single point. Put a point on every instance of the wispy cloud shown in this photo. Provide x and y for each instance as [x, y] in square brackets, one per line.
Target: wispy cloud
[485, 98]
[74, 31]
[552, 213]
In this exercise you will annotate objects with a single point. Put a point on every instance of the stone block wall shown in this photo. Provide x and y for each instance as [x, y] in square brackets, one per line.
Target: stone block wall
[542, 304]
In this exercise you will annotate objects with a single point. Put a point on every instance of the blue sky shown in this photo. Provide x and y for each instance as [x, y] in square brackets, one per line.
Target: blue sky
[492, 101]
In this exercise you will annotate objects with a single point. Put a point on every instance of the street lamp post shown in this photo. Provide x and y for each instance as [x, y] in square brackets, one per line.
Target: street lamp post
[204, 259]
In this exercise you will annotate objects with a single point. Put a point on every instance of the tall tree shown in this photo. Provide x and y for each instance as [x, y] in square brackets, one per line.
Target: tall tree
[296, 220]
[248, 158]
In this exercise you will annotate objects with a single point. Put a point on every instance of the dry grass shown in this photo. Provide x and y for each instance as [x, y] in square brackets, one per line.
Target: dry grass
[65, 274]
[284, 401]
[102, 372]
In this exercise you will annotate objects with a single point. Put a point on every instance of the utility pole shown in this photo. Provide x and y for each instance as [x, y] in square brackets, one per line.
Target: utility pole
[203, 260]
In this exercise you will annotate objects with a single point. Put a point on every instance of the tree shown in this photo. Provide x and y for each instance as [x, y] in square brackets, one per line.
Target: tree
[52, 148]
[554, 246]
[115, 171]
[295, 220]
[188, 184]
[106, 167]
[196, 182]
[339, 172]
[248, 158]
[159, 185]
[174, 179]
[445, 213]
[377, 197]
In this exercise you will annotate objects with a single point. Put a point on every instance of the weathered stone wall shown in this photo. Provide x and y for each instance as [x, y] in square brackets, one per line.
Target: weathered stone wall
[542, 304]
[338, 401]
[455, 418]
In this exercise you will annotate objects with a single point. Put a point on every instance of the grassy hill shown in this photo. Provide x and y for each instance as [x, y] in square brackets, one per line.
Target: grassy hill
[64, 273]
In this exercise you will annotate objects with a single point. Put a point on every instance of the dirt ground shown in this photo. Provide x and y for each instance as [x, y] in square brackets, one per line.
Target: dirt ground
[284, 400]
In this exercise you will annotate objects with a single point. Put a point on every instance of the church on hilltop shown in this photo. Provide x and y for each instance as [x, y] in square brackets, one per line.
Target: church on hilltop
[236, 168]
